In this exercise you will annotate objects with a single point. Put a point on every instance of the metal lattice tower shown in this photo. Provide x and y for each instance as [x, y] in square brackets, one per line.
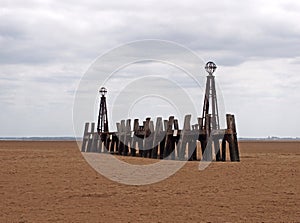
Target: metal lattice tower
[210, 106]
[102, 126]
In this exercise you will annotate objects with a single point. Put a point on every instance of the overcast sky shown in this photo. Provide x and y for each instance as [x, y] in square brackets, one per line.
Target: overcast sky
[46, 46]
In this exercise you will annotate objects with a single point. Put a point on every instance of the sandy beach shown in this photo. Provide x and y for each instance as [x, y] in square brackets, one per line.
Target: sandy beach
[51, 182]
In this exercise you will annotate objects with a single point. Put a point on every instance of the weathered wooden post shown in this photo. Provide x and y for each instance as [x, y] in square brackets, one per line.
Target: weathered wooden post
[224, 149]
[169, 138]
[127, 136]
[196, 132]
[91, 136]
[150, 138]
[192, 140]
[147, 139]
[175, 138]
[98, 144]
[232, 139]
[134, 139]
[122, 137]
[140, 137]
[162, 144]
[200, 123]
[184, 138]
[166, 124]
[157, 138]
[207, 149]
[107, 143]
[118, 135]
[217, 148]
[85, 137]
[95, 142]
[113, 139]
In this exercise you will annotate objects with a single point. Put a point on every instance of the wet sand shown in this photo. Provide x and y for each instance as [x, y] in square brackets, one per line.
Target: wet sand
[51, 182]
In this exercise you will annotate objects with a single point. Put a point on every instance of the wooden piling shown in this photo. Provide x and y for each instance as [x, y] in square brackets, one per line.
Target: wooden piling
[184, 138]
[207, 150]
[91, 137]
[98, 144]
[140, 139]
[157, 137]
[232, 139]
[216, 143]
[127, 136]
[118, 135]
[85, 137]
[95, 138]
[112, 138]
[151, 137]
[122, 137]
[169, 138]
[200, 122]
[224, 149]
[134, 137]
[148, 141]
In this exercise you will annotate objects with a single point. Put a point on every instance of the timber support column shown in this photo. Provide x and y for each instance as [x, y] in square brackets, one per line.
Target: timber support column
[122, 137]
[147, 138]
[169, 138]
[134, 139]
[232, 139]
[157, 138]
[207, 144]
[127, 137]
[91, 138]
[85, 137]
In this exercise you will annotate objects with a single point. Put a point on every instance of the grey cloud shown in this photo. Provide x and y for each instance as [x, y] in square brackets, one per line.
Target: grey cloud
[64, 31]
[37, 38]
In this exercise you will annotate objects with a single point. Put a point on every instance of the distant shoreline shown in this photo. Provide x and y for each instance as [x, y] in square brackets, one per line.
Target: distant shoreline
[39, 139]
[75, 139]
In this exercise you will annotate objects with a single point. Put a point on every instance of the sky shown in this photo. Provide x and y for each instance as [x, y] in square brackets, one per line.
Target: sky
[47, 46]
